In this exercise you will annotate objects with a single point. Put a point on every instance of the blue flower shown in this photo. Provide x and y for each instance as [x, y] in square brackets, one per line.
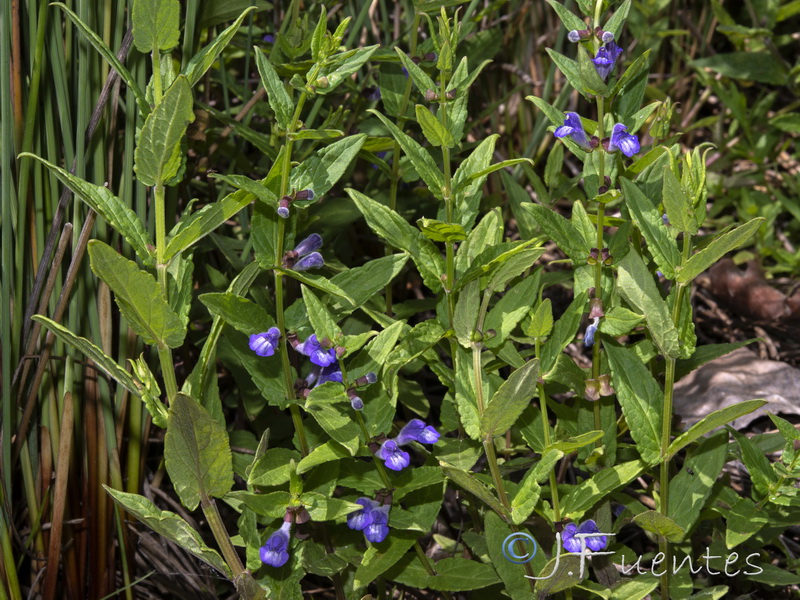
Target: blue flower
[312, 261]
[275, 551]
[588, 337]
[320, 356]
[606, 58]
[306, 252]
[269, 38]
[359, 519]
[573, 128]
[357, 403]
[310, 244]
[416, 431]
[623, 141]
[393, 457]
[571, 544]
[265, 344]
[378, 528]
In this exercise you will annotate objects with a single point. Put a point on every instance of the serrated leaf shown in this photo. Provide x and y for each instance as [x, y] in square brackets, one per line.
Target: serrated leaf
[277, 96]
[343, 66]
[273, 467]
[380, 557]
[322, 508]
[617, 20]
[677, 204]
[316, 281]
[395, 230]
[659, 241]
[423, 162]
[439, 231]
[162, 133]
[510, 309]
[156, 24]
[197, 453]
[541, 320]
[329, 406]
[570, 20]
[432, 129]
[321, 320]
[586, 494]
[561, 231]
[720, 246]
[327, 452]
[563, 332]
[619, 321]
[468, 482]
[654, 522]
[510, 399]
[258, 189]
[743, 521]
[636, 286]
[418, 76]
[169, 525]
[570, 69]
[321, 171]
[138, 296]
[107, 364]
[641, 399]
[757, 464]
[238, 312]
[716, 419]
[107, 205]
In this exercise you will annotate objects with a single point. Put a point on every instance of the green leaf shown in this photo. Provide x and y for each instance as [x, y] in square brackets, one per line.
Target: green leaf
[316, 281]
[162, 133]
[470, 483]
[465, 316]
[273, 467]
[316, 134]
[277, 96]
[636, 286]
[380, 557]
[501, 262]
[321, 320]
[677, 204]
[397, 232]
[327, 452]
[617, 20]
[690, 488]
[509, 310]
[258, 189]
[563, 332]
[659, 241]
[107, 205]
[460, 574]
[541, 320]
[591, 81]
[238, 312]
[514, 583]
[654, 522]
[639, 68]
[743, 521]
[583, 496]
[343, 66]
[432, 129]
[570, 20]
[202, 61]
[641, 399]
[170, 526]
[720, 246]
[329, 406]
[204, 221]
[716, 419]
[762, 67]
[197, 453]
[322, 508]
[524, 501]
[439, 231]
[510, 399]
[561, 231]
[619, 321]
[321, 171]
[362, 283]
[423, 162]
[156, 24]
[138, 296]
[109, 56]
[150, 392]
[418, 76]
[570, 69]
[559, 574]
[757, 464]
[107, 364]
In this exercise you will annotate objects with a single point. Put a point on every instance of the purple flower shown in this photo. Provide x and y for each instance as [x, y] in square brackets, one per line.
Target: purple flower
[361, 518]
[274, 552]
[606, 58]
[357, 403]
[573, 544]
[306, 252]
[269, 38]
[310, 244]
[378, 528]
[588, 337]
[573, 128]
[312, 261]
[320, 356]
[623, 141]
[265, 344]
[393, 457]
[332, 372]
[416, 431]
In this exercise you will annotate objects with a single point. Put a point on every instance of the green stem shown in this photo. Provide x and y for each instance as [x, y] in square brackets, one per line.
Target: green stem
[156, 76]
[546, 436]
[164, 352]
[395, 179]
[221, 536]
[598, 267]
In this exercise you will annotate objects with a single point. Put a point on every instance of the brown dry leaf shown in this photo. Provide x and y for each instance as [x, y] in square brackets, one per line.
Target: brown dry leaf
[749, 294]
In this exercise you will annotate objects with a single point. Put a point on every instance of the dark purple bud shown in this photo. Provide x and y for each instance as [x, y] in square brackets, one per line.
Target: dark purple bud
[373, 94]
[357, 403]
[306, 195]
[312, 261]
[269, 38]
[429, 57]
[577, 35]
[265, 344]
[451, 95]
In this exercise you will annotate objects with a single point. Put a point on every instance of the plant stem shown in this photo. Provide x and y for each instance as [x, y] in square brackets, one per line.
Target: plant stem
[164, 352]
[598, 267]
[286, 167]
[221, 535]
[546, 436]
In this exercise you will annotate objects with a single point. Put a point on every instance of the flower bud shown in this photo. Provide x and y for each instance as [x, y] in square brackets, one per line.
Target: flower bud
[592, 390]
[430, 95]
[429, 57]
[451, 95]
[305, 195]
[596, 309]
[607, 37]
[605, 386]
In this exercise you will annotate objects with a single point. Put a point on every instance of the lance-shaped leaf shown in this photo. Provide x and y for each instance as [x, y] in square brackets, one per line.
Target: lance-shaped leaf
[277, 96]
[420, 78]
[419, 157]
[343, 66]
[561, 231]
[321, 320]
[202, 61]
[717, 249]
[471, 484]
[321, 171]
[156, 24]
[641, 399]
[510, 399]
[434, 131]
[162, 133]
[637, 287]
[169, 525]
[138, 297]
[108, 206]
[395, 230]
[659, 241]
[197, 453]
